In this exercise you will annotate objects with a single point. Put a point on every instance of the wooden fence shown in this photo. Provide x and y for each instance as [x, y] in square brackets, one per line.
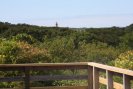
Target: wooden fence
[93, 75]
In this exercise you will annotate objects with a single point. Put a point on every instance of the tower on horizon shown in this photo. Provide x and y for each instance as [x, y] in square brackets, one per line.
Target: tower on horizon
[56, 24]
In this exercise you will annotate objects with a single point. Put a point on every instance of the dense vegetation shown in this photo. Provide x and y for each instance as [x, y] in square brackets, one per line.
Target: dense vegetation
[24, 43]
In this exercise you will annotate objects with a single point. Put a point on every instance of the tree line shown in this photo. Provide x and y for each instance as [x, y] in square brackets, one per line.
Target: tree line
[23, 43]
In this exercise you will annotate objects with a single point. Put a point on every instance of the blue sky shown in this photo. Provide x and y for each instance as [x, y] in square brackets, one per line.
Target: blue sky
[71, 13]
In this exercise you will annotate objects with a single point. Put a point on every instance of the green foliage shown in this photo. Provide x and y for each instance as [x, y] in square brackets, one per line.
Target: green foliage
[25, 38]
[8, 51]
[127, 40]
[99, 52]
[61, 49]
[10, 85]
[129, 28]
[125, 60]
[31, 54]
[109, 36]
[70, 83]
[20, 52]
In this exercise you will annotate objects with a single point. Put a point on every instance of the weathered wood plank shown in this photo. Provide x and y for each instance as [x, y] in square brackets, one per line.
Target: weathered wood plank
[116, 85]
[109, 77]
[58, 67]
[111, 68]
[67, 87]
[11, 79]
[86, 64]
[27, 78]
[11, 68]
[58, 77]
[126, 82]
[95, 78]
[90, 77]
[54, 87]
[53, 66]
[45, 64]
[44, 78]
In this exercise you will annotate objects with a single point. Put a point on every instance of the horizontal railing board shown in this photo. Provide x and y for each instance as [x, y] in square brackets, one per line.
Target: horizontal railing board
[12, 68]
[54, 87]
[43, 68]
[111, 68]
[116, 85]
[67, 87]
[58, 67]
[66, 65]
[26, 68]
[45, 78]
[45, 64]
[58, 77]
[11, 79]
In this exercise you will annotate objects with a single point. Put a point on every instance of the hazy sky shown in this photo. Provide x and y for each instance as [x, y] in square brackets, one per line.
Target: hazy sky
[71, 13]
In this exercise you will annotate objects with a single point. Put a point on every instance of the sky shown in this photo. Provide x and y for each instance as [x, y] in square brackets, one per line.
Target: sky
[68, 13]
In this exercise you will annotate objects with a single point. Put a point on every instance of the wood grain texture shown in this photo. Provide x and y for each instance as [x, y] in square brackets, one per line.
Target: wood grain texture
[95, 78]
[90, 77]
[115, 84]
[85, 64]
[45, 64]
[109, 77]
[111, 68]
[126, 82]
[27, 78]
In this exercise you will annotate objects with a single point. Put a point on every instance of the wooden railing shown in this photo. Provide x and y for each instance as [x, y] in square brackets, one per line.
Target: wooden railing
[93, 76]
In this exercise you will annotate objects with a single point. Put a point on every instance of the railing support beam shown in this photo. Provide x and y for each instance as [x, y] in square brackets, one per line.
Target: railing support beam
[95, 78]
[27, 78]
[109, 76]
[126, 82]
[90, 77]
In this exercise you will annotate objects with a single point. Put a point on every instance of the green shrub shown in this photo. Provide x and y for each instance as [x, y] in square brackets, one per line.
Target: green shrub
[21, 52]
[99, 52]
[125, 60]
[25, 38]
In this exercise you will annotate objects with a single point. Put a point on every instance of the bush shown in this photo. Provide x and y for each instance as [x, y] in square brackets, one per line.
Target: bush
[125, 60]
[99, 52]
[8, 51]
[21, 52]
[25, 38]
[31, 54]
[61, 49]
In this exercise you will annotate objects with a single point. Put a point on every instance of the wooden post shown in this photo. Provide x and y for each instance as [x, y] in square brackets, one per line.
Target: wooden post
[109, 77]
[126, 82]
[90, 77]
[95, 78]
[27, 78]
